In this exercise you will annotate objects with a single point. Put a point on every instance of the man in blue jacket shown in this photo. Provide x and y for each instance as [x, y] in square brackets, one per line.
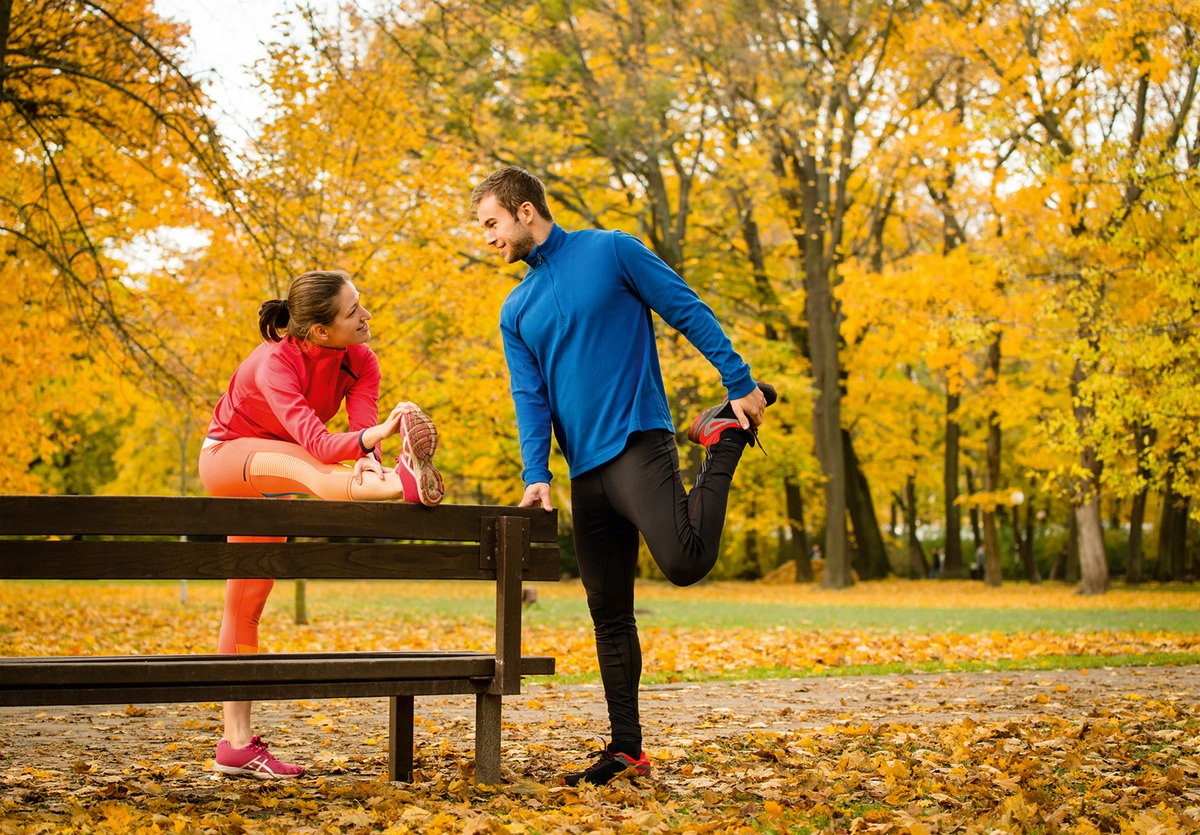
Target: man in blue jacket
[579, 341]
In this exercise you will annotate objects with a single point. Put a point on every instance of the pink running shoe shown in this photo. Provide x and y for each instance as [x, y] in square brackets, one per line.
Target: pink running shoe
[416, 457]
[253, 761]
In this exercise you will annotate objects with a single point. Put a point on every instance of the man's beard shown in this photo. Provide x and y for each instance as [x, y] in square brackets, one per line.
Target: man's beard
[520, 245]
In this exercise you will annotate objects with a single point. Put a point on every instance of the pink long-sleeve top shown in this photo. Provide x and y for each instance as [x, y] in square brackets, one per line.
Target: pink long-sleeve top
[289, 390]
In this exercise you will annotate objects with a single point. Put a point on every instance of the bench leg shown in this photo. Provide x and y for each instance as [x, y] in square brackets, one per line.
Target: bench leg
[400, 738]
[487, 739]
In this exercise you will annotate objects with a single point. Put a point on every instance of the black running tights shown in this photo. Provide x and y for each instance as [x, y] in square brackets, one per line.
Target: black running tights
[641, 491]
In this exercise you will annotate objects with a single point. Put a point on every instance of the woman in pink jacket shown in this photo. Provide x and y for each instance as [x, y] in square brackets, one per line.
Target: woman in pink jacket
[268, 437]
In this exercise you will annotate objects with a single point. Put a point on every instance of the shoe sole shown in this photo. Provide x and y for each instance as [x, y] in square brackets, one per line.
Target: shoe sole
[236, 771]
[420, 443]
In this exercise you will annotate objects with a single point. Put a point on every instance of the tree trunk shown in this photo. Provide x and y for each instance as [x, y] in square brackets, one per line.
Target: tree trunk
[1032, 574]
[1135, 563]
[992, 575]
[1163, 569]
[872, 559]
[799, 538]
[1093, 562]
[752, 567]
[991, 476]
[1071, 569]
[973, 514]
[1137, 517]
[952, 238]
[918, 568]
[827, 434]
[1172, 537]
[953, 566]
[1191, 565]
[823, 338]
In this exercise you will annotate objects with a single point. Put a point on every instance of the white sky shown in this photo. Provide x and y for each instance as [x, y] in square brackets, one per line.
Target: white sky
[227, 38]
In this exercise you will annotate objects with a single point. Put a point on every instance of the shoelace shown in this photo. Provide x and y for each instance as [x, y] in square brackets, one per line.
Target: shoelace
[599, 758]
[603, 757]
[753, 430]
[757, 442]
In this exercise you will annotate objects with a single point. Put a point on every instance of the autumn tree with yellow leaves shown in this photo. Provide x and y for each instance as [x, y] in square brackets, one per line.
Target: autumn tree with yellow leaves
[1097, 102]
[956, 236]
[105, 142]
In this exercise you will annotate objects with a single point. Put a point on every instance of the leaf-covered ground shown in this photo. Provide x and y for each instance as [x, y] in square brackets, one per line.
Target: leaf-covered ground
[134, 618]
[1032, 751]
[1106, 748]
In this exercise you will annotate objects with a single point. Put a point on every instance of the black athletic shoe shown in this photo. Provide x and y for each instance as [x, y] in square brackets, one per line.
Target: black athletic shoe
[609, 765]
[707, 427]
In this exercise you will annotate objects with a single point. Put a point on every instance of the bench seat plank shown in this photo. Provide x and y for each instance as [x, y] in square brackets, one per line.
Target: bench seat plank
[261, 691]
[69, 671]
[190, 678]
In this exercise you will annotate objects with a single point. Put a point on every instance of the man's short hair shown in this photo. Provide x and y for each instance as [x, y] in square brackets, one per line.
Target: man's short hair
[513, 186]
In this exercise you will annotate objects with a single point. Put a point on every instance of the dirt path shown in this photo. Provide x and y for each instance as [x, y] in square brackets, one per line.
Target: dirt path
[546, 726]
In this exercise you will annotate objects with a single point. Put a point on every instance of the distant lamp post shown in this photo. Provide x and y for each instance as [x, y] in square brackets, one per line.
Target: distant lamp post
[1017, 498]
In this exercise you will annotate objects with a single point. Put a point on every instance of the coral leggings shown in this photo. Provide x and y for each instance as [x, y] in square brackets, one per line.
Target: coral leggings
[252, 468]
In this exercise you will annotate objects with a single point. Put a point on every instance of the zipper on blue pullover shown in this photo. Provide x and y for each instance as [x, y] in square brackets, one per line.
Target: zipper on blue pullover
[542, 262]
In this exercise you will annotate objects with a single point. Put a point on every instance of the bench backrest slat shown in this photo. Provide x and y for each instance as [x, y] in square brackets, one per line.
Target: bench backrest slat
[208, 516]
[366, 540]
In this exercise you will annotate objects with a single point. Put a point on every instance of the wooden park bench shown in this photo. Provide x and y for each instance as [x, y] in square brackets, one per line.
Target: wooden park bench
[149, 538]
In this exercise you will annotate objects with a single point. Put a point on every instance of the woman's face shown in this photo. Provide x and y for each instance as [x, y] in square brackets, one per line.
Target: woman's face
[350, 326]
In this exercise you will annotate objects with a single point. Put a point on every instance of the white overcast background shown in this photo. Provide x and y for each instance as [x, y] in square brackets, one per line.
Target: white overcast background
[226, 39]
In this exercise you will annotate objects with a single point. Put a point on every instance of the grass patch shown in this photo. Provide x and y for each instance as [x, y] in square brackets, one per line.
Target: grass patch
[754, 606]
[1054, 662]
[767, 615]
[709, 632]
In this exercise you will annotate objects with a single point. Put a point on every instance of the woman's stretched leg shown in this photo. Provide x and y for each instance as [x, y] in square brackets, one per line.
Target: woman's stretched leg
[255, 467]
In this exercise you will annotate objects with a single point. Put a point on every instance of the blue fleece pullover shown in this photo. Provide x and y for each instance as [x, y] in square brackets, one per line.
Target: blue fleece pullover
[579, 341]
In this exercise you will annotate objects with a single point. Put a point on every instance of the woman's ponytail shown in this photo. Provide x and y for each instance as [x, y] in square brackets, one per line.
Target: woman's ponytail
[273, 318]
